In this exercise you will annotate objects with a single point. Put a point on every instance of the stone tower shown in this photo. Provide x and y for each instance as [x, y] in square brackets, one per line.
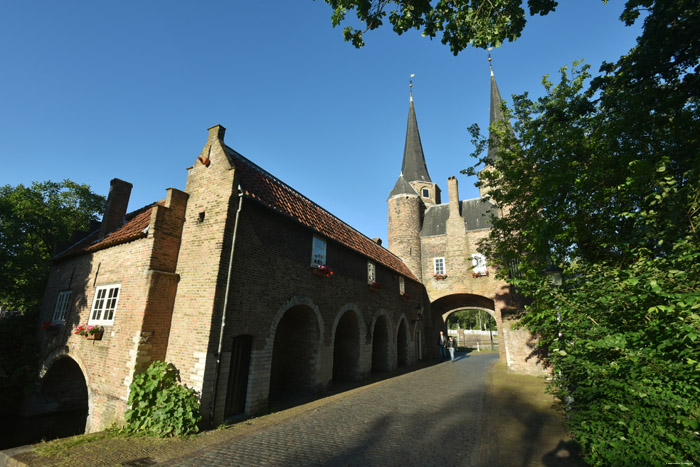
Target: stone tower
[413, 193]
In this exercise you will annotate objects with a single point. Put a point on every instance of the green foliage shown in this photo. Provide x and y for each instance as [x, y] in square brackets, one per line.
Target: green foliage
[33, 220]
[462, 23]
[160, 405]
[471, 319]
[601, 175]
[19, 353]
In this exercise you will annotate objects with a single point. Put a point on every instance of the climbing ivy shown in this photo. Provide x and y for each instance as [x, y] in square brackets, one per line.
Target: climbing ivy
[160, 405]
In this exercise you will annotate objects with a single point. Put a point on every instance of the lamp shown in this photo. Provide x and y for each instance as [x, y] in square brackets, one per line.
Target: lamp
[419, 314]
[554, 275]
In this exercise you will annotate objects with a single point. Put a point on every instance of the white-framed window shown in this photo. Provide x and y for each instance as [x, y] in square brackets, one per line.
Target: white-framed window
[62, 305]
[371, 272]
[402, 285]
[479, 264]
[426, 193]
[105, 304]
[439, 265]
[318, 251]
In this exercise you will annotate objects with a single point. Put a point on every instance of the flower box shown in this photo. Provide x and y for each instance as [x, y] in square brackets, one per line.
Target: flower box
[322, 270]
[440, 277]
[91, 333]
[405, 296]
[97, 336]
[476, 274]
[374, 286]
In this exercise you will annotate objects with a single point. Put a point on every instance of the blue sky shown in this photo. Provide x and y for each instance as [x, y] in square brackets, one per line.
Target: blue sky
[96, 90]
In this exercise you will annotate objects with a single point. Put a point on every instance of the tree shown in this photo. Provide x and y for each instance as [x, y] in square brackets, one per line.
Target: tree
[602, 175]
[479, 23]
[33, 221]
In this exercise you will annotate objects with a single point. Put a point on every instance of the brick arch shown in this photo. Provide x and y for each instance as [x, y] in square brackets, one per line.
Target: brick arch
[345, 308]
[62, 353]
[374, 321]
[295, 354]
[403, 342]
[292, 302]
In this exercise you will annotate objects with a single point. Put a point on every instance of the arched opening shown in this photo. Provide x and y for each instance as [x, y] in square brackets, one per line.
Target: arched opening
[295, 352]
[487, 335]
[380, 346]
[238, 375]
[346, 350]
[419, 345]
[64, 395]
[402, 344]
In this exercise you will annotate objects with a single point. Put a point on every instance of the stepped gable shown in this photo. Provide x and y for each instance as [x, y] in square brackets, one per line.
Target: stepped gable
[259, 185]
[134, 227]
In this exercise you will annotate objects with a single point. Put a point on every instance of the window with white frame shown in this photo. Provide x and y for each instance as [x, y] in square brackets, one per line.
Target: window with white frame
[426, 193]
[105, 304]
[371, 273]
[439, 265]
[61, 309]
[402, 285]
[479, 264]
[318, 252]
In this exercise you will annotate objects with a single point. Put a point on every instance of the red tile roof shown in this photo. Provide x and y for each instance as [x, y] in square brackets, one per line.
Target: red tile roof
[273, 193]
[260, 185]
[134, 228]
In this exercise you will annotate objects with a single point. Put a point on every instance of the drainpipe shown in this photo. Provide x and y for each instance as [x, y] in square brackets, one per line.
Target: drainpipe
[223, 313]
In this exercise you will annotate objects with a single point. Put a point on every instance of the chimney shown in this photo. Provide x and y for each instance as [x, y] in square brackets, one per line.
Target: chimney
[454, 196]
[217, 132]
[377, 240]
[117, 202]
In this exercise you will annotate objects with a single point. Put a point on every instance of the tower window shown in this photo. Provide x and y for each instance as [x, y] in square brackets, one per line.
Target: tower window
[439, 264]
[426, 193]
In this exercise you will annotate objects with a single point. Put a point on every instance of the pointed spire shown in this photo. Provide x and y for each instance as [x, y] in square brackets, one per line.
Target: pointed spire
[496, 113]
[413, 168]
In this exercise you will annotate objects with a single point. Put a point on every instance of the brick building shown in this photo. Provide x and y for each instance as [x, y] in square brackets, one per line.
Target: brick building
[252, 290]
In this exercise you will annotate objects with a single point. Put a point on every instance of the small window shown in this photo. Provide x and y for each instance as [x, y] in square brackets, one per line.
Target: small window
[105, 304]
[426, 193]
[318, 253]
[371, 273]
[479, 264]
[61, 309]
[439, 264]
[402, 285]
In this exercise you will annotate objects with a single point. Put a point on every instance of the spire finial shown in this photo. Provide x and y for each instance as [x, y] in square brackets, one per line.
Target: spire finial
[490, 66]
[410, 85]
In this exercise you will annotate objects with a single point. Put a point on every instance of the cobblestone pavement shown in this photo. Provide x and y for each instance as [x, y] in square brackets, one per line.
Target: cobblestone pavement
[430, 417]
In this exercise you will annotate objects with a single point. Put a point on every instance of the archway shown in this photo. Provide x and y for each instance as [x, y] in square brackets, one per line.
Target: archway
[402, 344]
[380, 345]
[238, 375]
[346, 349]
[295, 352]
[447, 305]
[63, 392]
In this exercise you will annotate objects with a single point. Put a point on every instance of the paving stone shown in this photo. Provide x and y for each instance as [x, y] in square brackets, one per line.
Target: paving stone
[424, 418]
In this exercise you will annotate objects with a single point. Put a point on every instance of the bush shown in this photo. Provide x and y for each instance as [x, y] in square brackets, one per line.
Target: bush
[160, 405]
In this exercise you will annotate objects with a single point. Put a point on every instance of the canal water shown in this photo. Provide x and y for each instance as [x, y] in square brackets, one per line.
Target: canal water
[18, 431]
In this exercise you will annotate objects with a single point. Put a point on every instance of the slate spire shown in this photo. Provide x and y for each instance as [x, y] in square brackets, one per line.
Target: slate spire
[496, 114]
[413, 168]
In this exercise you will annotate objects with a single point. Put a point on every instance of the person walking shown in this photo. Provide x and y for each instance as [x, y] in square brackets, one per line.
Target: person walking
[442, 343]
[451, 347]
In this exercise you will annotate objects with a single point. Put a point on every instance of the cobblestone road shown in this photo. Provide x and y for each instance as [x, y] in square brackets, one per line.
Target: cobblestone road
[431, 417]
